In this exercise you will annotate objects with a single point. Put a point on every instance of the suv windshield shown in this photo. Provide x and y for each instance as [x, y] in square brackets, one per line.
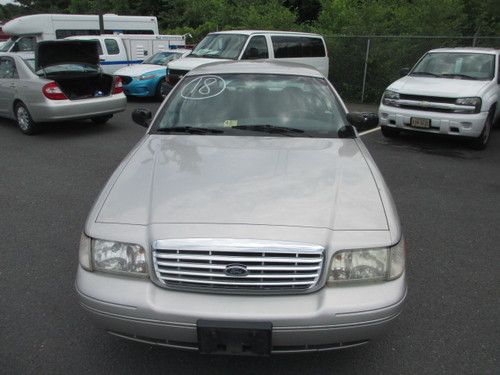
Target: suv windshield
[477, 66]
[162, 58]
[7, 45]
[252, 104]
[220, 46]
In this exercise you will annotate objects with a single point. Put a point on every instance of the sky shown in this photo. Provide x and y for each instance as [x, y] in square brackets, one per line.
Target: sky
[3, 2]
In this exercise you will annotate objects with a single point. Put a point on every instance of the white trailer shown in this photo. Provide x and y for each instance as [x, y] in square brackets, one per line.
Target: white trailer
[117, 51]
[26, 31]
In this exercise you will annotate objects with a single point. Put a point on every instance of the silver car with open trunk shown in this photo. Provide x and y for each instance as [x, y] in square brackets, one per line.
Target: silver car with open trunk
[250, 219]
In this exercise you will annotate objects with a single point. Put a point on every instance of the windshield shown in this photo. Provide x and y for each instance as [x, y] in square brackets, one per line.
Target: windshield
[68, 68]
[8, 44]
[220, 46]
[253, 104]
[477, 66]
[162, 58]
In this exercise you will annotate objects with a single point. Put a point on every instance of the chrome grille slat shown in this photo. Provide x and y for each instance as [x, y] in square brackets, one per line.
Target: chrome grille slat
[202, 264]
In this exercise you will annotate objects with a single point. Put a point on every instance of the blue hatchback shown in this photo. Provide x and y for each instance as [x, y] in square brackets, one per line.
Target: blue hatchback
[148, 78]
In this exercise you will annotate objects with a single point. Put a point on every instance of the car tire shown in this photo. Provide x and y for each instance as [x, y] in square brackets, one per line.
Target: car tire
[24, 120]
[101, 119]
[162, 90]
[389, 132]
[480, 143]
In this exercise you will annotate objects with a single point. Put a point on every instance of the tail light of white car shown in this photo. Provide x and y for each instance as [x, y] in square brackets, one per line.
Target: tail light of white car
[52, 91]
[117, 85]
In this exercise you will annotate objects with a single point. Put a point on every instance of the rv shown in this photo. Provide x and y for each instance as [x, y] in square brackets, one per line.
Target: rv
[28, 30]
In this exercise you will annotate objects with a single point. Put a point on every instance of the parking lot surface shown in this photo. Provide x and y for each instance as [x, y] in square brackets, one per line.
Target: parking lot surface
[448, 198]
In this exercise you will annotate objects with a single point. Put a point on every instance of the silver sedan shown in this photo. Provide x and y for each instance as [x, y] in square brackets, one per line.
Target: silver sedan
[250, 219]
[32, 93]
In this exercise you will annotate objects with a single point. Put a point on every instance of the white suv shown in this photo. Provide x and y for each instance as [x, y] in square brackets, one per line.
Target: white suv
[452, 91]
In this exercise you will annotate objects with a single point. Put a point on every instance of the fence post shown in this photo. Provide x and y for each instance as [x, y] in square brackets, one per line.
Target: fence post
[366, 68]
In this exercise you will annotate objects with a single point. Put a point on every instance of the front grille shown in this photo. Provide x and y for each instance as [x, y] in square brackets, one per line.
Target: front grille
[177, 72]
[262, 266]
[436, 99]
[126, 79]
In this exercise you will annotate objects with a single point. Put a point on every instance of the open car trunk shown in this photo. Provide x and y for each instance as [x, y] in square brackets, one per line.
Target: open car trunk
[74, 65]
[84, 86]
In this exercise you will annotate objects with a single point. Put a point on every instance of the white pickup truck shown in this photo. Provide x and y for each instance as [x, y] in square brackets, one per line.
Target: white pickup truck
[117, 51]
[452, 91]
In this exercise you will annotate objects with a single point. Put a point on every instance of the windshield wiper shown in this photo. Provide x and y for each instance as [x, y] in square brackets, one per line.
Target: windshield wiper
[189, 130]
[424, 74]
[272, 129]
[459, 75]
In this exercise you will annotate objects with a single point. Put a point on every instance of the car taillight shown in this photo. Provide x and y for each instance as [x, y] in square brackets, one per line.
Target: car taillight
[117, 85]
[53, 92]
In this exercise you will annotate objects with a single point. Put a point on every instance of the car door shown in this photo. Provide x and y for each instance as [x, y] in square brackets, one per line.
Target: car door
[8, 80]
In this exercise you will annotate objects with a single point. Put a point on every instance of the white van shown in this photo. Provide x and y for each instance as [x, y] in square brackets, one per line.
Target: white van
[26, 31]
[118, 51]
[305, 48]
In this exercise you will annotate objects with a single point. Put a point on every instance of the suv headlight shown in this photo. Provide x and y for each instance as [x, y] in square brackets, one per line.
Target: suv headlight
[471, 101]
[112, 256]
[387, 263]
[390, 98]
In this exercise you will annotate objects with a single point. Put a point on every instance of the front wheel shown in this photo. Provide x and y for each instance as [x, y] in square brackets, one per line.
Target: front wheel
[162, 90]
[101, 119]
[24, 120]
[389, 132]
[481, 142]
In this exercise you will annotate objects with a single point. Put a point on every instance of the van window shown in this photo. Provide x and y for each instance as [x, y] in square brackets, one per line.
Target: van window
[7, 68]
[294, 46]
[25, 44]
[256, 49]
[112, 46]
[61, 34]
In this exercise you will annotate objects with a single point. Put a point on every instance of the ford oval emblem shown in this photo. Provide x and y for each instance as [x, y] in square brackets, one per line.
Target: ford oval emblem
[236, 270]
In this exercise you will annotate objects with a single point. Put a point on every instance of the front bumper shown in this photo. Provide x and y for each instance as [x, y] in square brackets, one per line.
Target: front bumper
[457, 124]
[62, 110]
[331, 318]
[141, 88]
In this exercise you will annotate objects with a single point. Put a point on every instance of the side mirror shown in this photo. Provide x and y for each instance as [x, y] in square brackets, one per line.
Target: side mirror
[142, 116]
[404, 72]
[363, 121]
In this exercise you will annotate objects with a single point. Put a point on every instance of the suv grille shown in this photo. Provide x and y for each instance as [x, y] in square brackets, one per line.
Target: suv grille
[243, 266]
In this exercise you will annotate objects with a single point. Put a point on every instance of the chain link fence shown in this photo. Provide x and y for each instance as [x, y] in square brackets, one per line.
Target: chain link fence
[361, 67]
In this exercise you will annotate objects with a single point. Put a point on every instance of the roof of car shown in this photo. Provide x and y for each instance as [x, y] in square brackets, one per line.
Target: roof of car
[257, 67]
[251, 32]
[467, 49]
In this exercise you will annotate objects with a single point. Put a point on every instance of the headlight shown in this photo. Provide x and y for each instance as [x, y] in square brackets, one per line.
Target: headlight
[472, 101]
[386, 263]
[111, 256]
[147, 76]
[390, 98]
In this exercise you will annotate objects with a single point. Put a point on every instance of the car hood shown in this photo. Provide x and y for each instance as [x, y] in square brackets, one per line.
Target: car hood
[189, 63]
[56, 52]
[443, 87]
[139, 69]
[277, 181]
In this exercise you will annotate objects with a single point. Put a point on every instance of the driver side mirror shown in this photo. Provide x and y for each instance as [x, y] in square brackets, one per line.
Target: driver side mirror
[363, 120]
[142, 116]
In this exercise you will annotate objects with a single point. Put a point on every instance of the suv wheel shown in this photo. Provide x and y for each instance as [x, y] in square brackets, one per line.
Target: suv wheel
[24, 120]
[481, 142]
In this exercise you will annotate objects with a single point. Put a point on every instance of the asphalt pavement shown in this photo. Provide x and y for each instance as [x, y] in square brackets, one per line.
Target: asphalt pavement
[448, 198]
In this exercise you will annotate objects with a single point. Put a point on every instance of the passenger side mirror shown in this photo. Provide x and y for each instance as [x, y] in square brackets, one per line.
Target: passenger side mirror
[404, 72]
[142, 116]
[363, 121]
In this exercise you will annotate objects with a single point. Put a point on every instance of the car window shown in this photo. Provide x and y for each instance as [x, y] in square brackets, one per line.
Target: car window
[256, 48]
[25, 44]
[112, 46]
[225, 102]
[479, 66]
[294, 46]
[162, 58]
[7, 68]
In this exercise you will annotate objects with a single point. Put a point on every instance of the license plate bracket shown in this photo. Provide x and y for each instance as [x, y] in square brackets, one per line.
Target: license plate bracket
[420, 123]
[237, 338]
